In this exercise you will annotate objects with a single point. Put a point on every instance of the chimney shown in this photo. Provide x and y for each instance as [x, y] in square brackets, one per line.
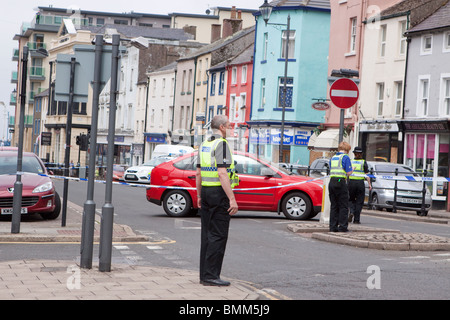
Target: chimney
[232, 25]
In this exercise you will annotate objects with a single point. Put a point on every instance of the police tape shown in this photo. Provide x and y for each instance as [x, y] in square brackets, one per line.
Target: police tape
[178, 187]
[147, 186]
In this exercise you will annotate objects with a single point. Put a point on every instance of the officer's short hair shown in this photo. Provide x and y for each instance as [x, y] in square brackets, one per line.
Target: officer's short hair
[344, 146]
[217, 121]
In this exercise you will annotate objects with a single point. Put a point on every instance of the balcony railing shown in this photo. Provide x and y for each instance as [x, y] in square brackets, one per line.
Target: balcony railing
[36, 45]
[37, 73]
[57, 20]
[13, 100]
[14, 77]
[15, 55]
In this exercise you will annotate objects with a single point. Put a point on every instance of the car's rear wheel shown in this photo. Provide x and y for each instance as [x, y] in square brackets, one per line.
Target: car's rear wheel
[55, 213]
[296, 206]
[177, 203]
[375, 203]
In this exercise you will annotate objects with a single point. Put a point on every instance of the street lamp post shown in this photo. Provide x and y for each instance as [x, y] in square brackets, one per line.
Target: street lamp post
[266, 11]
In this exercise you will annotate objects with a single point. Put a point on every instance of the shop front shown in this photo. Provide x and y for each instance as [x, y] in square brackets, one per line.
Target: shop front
[380, 141]
[265, 141]
[426, 146]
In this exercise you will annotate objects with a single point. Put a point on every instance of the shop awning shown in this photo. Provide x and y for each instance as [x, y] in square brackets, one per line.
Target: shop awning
[327, 140]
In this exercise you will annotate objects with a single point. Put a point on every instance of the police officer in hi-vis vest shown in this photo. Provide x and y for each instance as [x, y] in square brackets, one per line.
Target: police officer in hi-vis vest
[215, 179]
[341, 169]
[356, 186]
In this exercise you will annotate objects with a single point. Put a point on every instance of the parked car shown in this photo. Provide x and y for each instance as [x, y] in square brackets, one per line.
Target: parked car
[319, 168]
[170, 150]
[118, 172]
[297, 202]
[38, 195]
[409, 194]
[142, 173]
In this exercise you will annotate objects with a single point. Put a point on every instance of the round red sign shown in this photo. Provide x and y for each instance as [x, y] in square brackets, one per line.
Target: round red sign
[344, 93]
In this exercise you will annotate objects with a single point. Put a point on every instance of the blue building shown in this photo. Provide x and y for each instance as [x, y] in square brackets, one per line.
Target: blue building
[306, 80]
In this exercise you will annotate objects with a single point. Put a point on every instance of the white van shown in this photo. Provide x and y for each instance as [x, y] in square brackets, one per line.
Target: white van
[169, 150]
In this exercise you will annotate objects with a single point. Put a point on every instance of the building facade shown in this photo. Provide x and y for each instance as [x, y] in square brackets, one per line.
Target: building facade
[306, 79]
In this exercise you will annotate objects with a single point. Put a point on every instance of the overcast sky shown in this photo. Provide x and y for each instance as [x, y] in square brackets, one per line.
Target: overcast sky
[19, 11]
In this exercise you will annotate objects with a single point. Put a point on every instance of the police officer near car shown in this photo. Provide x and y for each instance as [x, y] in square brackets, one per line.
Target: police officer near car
[356, 187]
[341, 169]
[215, 180]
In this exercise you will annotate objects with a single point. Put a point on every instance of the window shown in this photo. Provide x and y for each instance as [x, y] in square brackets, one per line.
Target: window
[353, 29]
[213, 84]
[234, 75]
[402, 49]
[427, 44]
[380, 98]
[446, 42]
[266, 44]
[263, 94]
[424, 91]
[232, 108]
[100, 21]
[199, 75]
[291, 53]
[183, 82]
[246, 165]
[445, 89]
[289, 93]
[398, 97]
[244, 74]
[242, 107]
[120, 21]
[383, 30]
[221, 83]
[189, 81]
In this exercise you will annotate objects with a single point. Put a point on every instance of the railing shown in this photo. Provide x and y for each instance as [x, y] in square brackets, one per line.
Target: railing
[36, 45]
[37, 71]
[395, 205]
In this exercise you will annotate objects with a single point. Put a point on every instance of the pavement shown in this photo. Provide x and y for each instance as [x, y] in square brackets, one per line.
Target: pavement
[65, 280]
[58, 280]
[381, 239]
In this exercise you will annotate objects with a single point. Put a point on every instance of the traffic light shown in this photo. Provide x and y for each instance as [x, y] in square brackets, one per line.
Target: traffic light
[78, 140]
[84, 142]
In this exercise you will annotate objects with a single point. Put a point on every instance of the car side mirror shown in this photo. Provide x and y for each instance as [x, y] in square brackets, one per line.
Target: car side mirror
[267, 172]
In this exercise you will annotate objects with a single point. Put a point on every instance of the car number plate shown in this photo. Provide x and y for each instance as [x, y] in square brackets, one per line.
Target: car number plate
[129, 176]
[406, 200]
[10, 211]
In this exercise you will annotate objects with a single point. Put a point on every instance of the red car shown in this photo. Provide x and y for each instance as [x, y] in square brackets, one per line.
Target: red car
[298, 201]
[38, 194]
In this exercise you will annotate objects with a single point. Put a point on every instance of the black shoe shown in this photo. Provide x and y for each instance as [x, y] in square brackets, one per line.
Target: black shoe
[215, 282]
[343, 230]
[356, 222]
[350, 217]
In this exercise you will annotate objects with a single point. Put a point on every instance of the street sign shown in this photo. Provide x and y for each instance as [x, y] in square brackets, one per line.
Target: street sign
[344, 93]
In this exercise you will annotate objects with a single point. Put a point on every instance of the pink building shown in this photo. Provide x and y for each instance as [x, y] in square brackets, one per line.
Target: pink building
[239, 95]
[346, 46]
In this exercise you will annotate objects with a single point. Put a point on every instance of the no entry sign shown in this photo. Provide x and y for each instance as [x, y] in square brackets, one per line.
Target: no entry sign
[344, 93]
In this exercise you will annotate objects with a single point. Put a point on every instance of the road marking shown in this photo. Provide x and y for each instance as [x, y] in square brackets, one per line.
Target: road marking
[180, 224]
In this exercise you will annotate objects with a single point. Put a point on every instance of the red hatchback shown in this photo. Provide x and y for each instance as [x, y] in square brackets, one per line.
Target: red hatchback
[38, 194]
[300, 199]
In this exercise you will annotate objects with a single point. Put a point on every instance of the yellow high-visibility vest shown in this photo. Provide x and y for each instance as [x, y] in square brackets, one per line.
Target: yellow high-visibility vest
[337, 171]
[358, 169]
[208, 165]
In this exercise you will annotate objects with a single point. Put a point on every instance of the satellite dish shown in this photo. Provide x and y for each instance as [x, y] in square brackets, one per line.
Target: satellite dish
[208, 12]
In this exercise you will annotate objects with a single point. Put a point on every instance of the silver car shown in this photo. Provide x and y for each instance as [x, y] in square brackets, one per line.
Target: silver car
[409, 193]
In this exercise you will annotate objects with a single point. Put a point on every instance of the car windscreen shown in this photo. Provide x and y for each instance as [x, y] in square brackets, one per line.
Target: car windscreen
[155, 162]
[8, 165]
[387, 169]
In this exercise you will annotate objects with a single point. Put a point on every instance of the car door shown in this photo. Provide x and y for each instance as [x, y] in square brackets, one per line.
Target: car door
[253, 174]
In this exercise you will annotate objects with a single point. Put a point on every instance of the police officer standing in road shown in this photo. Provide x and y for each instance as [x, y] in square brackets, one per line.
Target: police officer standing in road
[341, 168]
[356, 186]
[215, 179]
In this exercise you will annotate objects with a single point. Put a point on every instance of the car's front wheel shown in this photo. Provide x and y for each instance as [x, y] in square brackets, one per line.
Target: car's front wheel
[296, 206]
[55, 213]
[177, 203]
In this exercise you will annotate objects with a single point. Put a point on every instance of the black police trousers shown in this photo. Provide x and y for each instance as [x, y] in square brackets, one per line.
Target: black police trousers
[356, 191]
[338, 193]
[214, 235]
